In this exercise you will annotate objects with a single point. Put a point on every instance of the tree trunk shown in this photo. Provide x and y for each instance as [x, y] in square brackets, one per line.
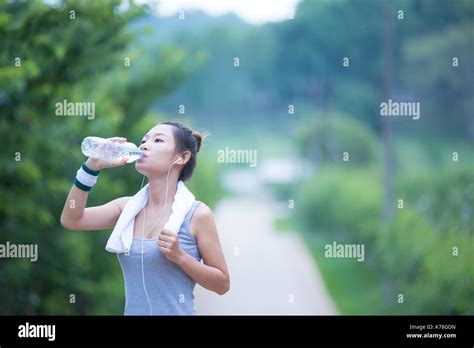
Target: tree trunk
[386, 132]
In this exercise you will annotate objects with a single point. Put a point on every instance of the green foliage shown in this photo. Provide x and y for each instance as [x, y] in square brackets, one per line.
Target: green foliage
[446, 198]
[310, 62]
[54, 64]
[324, 138]
[345, 202]
[419, 262]
[412, 254]
[205, 183]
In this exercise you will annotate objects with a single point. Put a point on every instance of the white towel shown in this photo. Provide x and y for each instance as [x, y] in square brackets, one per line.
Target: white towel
[120, 241]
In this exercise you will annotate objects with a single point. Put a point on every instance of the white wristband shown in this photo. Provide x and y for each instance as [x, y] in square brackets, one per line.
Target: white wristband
[85, 178]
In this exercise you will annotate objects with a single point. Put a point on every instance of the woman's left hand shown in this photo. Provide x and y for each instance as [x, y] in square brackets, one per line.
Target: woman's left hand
[168, 243]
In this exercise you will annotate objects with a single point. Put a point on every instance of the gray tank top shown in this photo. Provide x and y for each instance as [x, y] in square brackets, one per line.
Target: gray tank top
[169, 288]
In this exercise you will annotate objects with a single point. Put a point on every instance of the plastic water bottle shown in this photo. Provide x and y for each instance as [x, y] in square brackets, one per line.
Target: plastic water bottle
[96, 147]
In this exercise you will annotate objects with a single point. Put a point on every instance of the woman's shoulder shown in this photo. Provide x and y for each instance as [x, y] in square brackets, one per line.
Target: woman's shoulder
[202, 211]
[201, 219]
[122, 201]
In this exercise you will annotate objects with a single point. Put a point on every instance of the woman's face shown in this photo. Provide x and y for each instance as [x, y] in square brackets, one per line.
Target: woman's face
[159, 147]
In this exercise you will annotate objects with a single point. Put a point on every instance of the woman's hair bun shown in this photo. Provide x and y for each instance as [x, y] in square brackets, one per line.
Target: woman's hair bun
[199, 138]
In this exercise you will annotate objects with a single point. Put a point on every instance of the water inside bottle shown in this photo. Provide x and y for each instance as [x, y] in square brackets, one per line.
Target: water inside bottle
[134, 155]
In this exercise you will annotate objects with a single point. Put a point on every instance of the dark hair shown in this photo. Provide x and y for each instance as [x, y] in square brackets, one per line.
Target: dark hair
[186, 140]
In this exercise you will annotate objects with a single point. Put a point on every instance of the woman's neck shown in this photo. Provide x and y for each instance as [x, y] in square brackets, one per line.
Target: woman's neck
[157, 191]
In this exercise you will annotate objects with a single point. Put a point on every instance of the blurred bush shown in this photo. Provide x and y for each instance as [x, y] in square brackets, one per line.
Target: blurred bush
[412, 254]
[345, 202]
[205, 182]
[325, 137]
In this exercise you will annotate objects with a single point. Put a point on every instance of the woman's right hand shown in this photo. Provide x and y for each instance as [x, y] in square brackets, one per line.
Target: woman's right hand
[99, 164]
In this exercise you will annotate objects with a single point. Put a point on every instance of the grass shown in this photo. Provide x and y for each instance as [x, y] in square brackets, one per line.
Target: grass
[283, 224]
[353, 287]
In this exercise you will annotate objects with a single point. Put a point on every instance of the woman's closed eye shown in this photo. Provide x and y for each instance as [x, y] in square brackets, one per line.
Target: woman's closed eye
[156, 141]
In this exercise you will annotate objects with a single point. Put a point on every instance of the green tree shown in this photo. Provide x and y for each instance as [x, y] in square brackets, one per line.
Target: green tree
[73, 50]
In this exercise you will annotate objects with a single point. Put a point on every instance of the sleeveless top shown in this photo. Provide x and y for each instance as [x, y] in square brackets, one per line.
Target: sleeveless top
[169, 288]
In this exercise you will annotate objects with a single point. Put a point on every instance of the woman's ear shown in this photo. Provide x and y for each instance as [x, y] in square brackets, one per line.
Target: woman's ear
[186, 155]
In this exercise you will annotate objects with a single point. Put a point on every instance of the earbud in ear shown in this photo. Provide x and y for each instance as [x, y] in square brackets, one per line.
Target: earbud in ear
[178, 160]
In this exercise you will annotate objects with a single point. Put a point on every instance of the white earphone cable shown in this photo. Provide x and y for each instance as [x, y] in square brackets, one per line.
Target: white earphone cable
[143, 230]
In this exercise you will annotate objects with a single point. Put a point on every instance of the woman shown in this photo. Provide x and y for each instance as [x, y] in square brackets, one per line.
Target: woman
[161, 281]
